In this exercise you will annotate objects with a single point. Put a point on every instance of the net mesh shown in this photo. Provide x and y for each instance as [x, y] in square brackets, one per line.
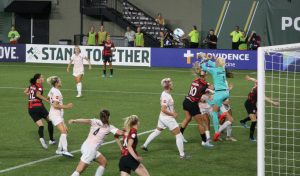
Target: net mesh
[282, 123]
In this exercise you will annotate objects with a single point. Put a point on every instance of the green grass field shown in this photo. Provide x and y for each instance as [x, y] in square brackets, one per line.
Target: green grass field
[132, 90]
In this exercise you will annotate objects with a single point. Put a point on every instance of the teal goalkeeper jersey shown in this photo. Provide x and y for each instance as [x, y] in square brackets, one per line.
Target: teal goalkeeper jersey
[218, 74]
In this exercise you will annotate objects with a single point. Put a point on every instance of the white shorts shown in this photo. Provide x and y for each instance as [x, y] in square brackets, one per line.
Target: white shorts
[76, 74]
[167, 122]
[206, 111]
[56, 119]
[88, 153]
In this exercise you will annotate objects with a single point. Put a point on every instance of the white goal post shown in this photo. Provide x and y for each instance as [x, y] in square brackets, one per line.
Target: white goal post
[288, 164]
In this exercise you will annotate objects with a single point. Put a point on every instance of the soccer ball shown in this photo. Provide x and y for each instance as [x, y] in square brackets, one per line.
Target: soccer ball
[113, 49]
[178, 33]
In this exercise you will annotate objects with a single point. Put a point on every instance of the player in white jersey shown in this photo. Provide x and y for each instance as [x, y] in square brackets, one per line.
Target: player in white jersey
[167, 118]
[56, 114]
[78, 68]
[89, 149]
[206, 108]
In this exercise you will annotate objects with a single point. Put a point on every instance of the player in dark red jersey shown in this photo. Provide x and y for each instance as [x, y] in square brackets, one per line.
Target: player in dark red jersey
[250, 105]
[109, 47]
[130, 160]
[191, 107]
[36, 108]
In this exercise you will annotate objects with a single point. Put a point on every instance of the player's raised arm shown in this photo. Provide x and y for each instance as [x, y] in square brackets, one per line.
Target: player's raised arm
[81, 121]
[248, 78]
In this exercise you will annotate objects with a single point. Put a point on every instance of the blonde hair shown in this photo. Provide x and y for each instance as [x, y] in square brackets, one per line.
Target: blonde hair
[197, 69]
[166, 82]
[130, 121]
[52, 80]
[220, 61]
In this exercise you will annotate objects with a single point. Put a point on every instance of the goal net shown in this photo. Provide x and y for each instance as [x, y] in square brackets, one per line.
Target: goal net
[278, 141]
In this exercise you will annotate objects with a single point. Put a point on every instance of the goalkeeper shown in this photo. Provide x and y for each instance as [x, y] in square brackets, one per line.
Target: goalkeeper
[218, 73]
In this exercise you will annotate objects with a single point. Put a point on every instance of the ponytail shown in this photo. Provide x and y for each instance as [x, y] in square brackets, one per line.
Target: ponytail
[104, 116]
[130, 122]
[52, 80]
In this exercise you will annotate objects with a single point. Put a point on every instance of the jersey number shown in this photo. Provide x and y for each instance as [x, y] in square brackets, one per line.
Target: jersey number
[96, 131]
[193, 91]
[31, 95]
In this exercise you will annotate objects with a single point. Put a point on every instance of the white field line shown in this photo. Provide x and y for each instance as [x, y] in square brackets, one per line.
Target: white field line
[57, 156]
[114, 91]
[74, 151]
[184, 70]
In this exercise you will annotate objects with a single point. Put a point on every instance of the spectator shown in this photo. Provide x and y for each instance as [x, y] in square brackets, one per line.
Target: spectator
[139, 38]
[211, 40]
[91, 41]
[243, 45]
[194, 38]
[129, 35]
[254, 41]
[13, 35]
[161, 38]
[168, 41]
[235, 35]
[160, 20]
[102, 36]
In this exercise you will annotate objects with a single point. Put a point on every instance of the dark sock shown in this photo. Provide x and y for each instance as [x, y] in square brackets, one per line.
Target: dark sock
[182, 130]
[246, 119]
[41, 131]
[104, 72]
[50, 130]
[203, 137]
[252, 129]
[111, 71]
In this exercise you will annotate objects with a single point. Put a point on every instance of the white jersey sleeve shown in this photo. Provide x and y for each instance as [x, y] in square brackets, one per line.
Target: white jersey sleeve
[96, 122]
[113, 129]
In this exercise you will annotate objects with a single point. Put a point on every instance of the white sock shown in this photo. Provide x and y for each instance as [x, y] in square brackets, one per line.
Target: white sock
[79, 87]
[224, 126]
[179, 143]
[100, 171]
[152, 136]
[229, 130]
[59, 147]
[207, 134]
[75, 173]
[63, 141]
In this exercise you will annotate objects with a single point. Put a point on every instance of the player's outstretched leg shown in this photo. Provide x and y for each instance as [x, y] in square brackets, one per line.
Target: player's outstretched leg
[151, 137]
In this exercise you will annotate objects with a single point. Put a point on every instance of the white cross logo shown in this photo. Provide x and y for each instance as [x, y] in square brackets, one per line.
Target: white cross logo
[188, 55]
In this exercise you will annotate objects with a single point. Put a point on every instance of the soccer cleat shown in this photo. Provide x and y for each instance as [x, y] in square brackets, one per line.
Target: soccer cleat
[43, 142]
[144, 148]
[252, 139]
[185, 157]
[216, 136]
[58, 152]
[67, 154]
[103, 76]
[78, 95]
[110, 76]
[52, 142]
[207, 144]
[229, 138]
[243, 124]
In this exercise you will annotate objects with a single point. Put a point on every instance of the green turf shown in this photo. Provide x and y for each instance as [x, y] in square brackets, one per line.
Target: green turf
[132, 90]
